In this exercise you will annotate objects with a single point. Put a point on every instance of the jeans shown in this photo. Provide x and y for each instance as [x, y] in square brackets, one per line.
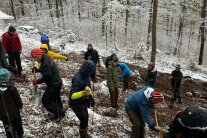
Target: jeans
[138, 124]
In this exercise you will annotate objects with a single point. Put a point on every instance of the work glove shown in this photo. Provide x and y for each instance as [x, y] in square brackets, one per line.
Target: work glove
[34, 82]
[34, 69]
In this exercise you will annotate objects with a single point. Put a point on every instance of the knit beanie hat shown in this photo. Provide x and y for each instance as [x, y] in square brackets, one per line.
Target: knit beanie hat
[4, 75]
[36, 52]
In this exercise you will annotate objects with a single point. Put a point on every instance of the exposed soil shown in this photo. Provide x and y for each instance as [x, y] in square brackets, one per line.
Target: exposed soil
[108, 126]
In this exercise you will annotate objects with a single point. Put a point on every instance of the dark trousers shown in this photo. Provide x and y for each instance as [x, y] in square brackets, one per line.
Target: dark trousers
[81, 112]
[15, 130]
[93, 75]
[51, 99]
[114, 93]
[126, 78]
[15, 60]
[176, 94]
[138, 124]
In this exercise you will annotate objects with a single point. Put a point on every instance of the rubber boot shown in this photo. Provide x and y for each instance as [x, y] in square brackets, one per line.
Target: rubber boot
[84, 133]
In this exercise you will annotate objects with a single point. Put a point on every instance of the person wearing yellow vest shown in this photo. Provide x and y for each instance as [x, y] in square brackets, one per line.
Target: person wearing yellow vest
[52, 54]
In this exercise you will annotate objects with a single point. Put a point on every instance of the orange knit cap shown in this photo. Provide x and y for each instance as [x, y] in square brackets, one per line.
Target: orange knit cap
[36, 52]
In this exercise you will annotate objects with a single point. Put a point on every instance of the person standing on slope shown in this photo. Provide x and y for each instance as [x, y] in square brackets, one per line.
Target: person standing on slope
[112, 82]
[81, 97]
[176, 77]
[13, 48]
[92, 54]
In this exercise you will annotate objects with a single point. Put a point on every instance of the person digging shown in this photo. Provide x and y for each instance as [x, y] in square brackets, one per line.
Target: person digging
[138, 106]
[51, 99]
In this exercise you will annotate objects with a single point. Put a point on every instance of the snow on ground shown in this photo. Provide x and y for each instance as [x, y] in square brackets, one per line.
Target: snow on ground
[100, 126]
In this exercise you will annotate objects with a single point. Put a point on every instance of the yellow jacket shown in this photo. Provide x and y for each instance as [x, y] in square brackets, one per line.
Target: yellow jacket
[53, 54]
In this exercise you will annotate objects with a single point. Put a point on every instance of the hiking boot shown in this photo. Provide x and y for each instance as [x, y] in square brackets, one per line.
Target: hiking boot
[84, 133]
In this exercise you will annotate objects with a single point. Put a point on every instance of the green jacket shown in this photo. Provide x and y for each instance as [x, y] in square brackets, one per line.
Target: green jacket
[50, 73]
[112, 76]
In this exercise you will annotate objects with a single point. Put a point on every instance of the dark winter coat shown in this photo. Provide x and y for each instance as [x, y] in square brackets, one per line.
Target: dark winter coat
[151, 78]
[108, 59]
[176, 78]
[12, 101]
[140, 103]
[80, 81]
[92, 55]
[11, 42]
[124, 70]
[191, 123]
[50, 72]
[112, 76]
[3, 62]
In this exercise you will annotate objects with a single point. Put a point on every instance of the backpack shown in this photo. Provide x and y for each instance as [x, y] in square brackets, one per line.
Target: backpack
[44, 37]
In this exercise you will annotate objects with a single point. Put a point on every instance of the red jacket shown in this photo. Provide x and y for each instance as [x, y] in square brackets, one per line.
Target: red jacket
[11, 42]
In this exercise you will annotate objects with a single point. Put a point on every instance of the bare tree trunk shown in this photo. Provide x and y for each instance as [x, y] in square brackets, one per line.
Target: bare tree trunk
[50, 7]
[13, 11]
[22, 7]
[154, 35]
[149, 26]
[62, 13]
[202, 31]
[79, 10]
[180, 34]
[110, 27]
[126, 22]
[103, 13]
[190, 34]
[106, 38]
[57, 8]
[180, 31]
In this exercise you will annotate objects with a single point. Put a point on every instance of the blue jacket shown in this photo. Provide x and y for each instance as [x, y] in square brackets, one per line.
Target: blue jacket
[80, 81]
[124, 70]
[139, 102]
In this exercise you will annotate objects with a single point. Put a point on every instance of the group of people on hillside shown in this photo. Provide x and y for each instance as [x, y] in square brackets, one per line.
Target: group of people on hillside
[191, 122]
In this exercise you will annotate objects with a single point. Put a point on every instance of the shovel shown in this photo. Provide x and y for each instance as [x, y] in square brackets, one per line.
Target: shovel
[36, 95]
